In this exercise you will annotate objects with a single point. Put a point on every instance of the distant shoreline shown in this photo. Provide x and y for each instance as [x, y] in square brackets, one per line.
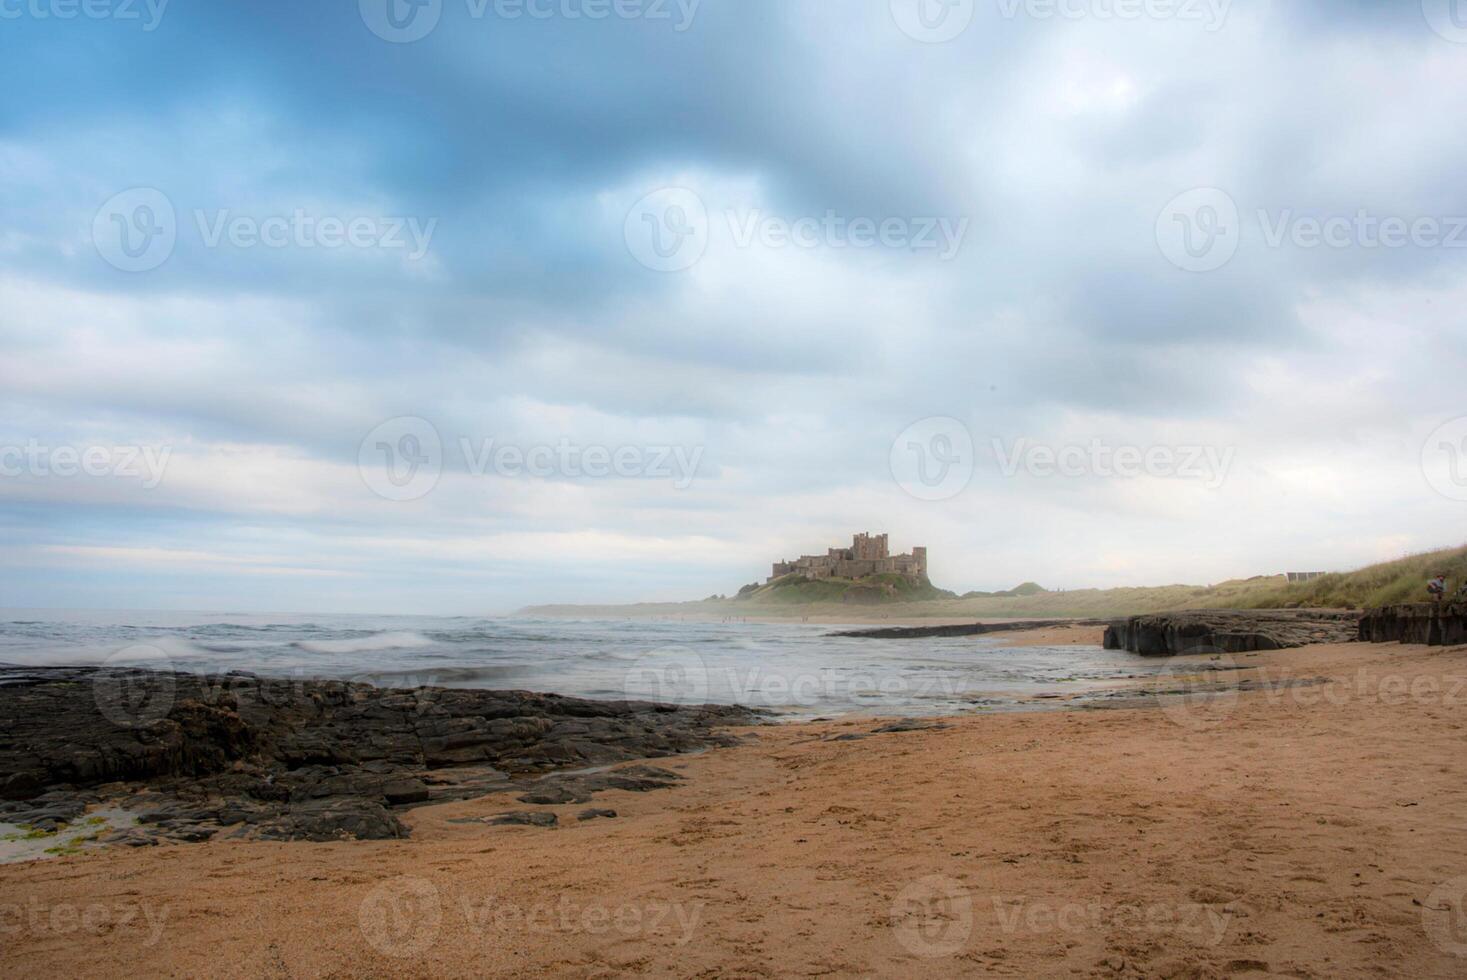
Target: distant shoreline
[822, 615]
[1387, 583]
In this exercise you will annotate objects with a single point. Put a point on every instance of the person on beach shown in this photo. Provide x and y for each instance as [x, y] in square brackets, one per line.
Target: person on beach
[1436, 588]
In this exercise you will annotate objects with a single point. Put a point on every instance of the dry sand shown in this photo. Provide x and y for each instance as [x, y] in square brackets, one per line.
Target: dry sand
[1302, 830]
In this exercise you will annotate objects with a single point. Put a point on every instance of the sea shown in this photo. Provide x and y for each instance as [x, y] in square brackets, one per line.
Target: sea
[796, 671]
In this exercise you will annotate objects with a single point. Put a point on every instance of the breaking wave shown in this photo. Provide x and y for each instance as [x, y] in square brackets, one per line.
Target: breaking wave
[401, 640]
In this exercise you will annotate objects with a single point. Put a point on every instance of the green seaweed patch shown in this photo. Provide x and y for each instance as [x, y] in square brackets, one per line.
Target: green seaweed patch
[73, 846]
[27, 832]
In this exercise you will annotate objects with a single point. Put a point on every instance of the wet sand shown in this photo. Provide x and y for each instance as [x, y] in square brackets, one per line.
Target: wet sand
[1309, 827]
[1058, 636]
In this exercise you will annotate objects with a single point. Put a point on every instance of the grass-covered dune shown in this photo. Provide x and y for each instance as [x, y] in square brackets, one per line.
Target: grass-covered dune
[1402, 580]
[872, 590]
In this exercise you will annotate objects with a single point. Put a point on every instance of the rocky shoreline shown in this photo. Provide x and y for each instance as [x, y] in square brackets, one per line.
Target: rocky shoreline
[1434, 624]
[1229, 631]
[241, 756]
[963, 629]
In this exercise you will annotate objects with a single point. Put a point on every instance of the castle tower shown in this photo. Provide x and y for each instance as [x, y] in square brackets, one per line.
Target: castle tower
[864, 547]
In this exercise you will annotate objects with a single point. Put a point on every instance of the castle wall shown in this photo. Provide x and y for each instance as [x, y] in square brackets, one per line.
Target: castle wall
[867, 555]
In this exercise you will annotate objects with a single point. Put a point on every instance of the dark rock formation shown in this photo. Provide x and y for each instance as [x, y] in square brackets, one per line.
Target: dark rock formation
[523, 818]
[1434, 624]
[554, 790]
[965, 629]
[321, 820]
[307, 759]
[516, 818]
[596, 814]
[1228, 631]
[908, 725]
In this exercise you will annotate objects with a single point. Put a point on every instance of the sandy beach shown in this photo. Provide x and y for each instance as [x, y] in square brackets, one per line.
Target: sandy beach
[653, 488]
[1308, 825]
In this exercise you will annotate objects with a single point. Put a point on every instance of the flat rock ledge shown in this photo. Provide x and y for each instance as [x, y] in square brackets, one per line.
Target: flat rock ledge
[1434, 624]
[1229, 631]
[240, 756]
[963, 629]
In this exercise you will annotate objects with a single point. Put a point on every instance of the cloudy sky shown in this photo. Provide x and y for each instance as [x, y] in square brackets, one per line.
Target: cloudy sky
[457, 306]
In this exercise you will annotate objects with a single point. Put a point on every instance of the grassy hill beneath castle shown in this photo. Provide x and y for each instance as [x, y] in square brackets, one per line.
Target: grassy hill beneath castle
[1402, 580]
[797, 590]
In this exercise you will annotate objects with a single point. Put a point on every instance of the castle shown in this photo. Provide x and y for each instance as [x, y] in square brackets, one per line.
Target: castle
[867, 555]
